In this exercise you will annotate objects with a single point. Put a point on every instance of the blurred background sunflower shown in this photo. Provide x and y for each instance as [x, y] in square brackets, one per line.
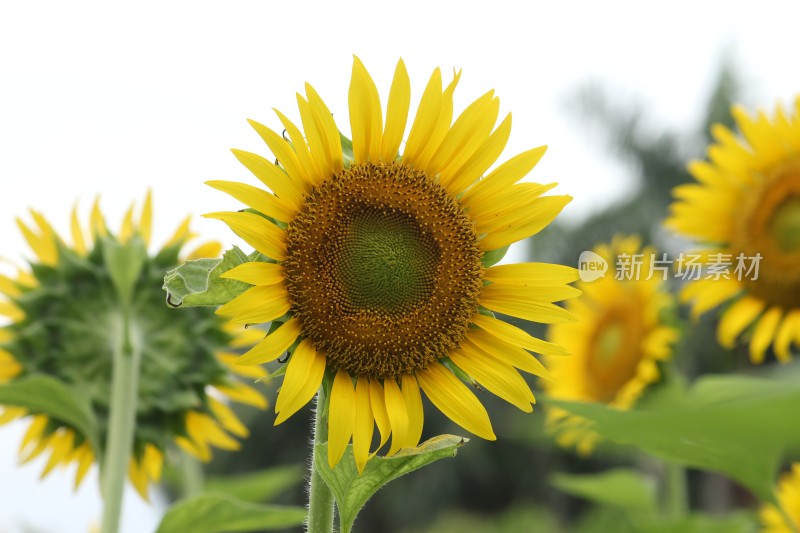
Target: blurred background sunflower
[623, 330]
[745, 207]
[64, 324]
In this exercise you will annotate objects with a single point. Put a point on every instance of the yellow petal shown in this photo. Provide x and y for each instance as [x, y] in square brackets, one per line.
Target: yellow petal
[61, 445]
[96, 221]
[206, 250]
[740, 315]
[413, 401]
[485, 345]
[153, 462]
[228, 418]
[257, 231]
[554, 293]
[366, 120]
[317, 141]
[257, 305]
[146, 219]
[273, 177]
[34, 432]
[537, 274]
[501, 380]
[126, 232]
[11, 413]
[527, 223]
[505, 175]
[364, 424]
[397, 413]
[239, 392]
[512, 200]
[763, 334]
[430, 107]
[708, 294]
[205, 428]
[79, 242]
[545, 313]
[138, 478]
[85, 458]
[303, 378]
[285, 155]
[273, 345]
[515, 336]
[481, 160]
[327, 127]
[442, 125]
[310, 170]
[378, 403]
[341, 416]
[256, 273]
[10, 310]
[468, 132]
[258, 199]
[396, 113]
[455, 400]
[43, 246]
[790, 328]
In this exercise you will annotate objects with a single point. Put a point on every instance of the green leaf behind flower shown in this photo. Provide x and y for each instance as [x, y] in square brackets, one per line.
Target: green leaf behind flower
[620, 487]
[740, 426]
[198, 282]
[352, 490]
[492, 257]
[48, 396]
[258, 486]
[217, 513]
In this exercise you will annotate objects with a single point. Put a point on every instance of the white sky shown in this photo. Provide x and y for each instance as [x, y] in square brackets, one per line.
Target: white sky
[96, 98]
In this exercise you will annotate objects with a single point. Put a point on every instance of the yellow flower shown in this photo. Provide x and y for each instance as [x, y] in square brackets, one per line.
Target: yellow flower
[746, 208]
[60, 311]
[615, 344]
[377, 261]
[772, 518]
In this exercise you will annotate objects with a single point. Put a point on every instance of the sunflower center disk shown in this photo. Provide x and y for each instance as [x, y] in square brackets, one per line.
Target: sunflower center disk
[770, 228]
[615, 349]
[388, 262]
[383, 270]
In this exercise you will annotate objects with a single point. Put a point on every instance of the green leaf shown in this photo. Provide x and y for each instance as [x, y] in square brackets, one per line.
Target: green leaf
[198, 283]
[737, 425]
[48, 396]
[620, 487]
[742, 522]
[493, 257]
[258, 486]
[352, 490]
[124, 263]
[218, 513]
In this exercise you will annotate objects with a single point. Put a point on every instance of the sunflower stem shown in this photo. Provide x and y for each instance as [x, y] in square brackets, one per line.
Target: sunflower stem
[192, 476]
[320, 497]
[676, 498]
[121, 423]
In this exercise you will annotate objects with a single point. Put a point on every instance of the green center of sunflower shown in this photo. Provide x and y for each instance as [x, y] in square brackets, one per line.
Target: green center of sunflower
[786, 225]
[383, 270]
[769, 227]
[388, 262]
[615, 351]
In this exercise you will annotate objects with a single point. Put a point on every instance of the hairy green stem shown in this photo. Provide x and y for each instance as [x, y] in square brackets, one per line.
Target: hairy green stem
[121, 423]
[320, 497]
[676, 497]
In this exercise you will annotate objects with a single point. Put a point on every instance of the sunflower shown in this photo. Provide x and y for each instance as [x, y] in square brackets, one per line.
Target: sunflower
[616, 343]
[60, 313]
[379, 268]
[772, 518]
[746, 207]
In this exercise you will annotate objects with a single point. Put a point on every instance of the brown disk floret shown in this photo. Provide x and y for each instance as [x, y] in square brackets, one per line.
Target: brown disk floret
[383, 270]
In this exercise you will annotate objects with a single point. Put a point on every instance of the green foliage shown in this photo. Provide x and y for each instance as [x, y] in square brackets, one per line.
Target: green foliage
[257, 486]
[352, 490]
[124, 263]
[222, 513]
[48, 396]
[620, 487]
[736, 425]
[493, 257]
[347, 149]
[198, 282]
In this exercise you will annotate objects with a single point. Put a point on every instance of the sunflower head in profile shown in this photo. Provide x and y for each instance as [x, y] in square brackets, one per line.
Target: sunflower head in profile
[615, 345]
[745, 208]
[379, 269]
[62, 313]
[775, 520]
